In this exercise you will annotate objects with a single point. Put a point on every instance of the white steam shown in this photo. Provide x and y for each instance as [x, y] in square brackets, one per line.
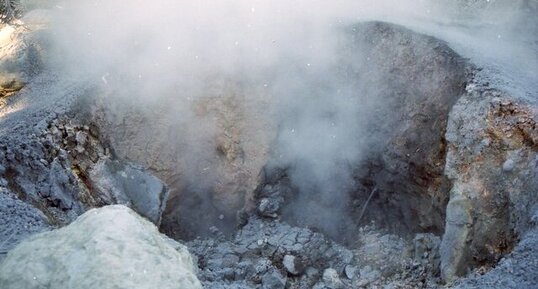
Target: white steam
[280, 53]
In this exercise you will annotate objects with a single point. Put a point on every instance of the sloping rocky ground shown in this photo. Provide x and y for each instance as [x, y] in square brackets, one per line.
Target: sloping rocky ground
[464, 206]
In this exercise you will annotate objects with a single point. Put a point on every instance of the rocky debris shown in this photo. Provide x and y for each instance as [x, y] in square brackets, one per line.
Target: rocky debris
[65, 167]
[271, 194]
[426, 251]
[385, 260]
[110, 247]
[265, 250]
[273, 280]
[383, 252]
[18, 220]
[492, 137]
[269, 207]
[266, 253]
[42, 177]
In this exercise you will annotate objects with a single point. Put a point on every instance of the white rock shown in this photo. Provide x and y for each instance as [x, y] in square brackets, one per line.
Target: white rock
[508, 165]
[331, 278]
[105, 248]
[291, 264]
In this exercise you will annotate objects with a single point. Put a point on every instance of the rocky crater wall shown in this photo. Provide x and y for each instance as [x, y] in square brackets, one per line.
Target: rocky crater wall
[440, 152]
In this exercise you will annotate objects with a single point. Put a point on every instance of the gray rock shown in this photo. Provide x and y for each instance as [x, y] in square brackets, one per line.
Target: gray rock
[312, 272]
[278, 249]
[128, 184]
[361, 283]
[230, 260]
[319, 285]
[273, 280]
[332, 279]
[292, 264]
[426, 250]
[369, 274]
[268, 207]
[508, 165]
[262, 266]
[489, 206]
[350, 271]
[534, 218]
[111, 247]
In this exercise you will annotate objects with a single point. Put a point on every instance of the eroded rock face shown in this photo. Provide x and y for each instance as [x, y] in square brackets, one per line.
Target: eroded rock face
[208, 149]
[65, 168]
[111, 247]
[492, 142]
[408, 83]
[516, 270]
[420, 78]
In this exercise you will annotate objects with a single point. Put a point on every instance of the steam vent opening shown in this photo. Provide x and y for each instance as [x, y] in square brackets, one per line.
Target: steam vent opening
[364, 142]
[358, 142]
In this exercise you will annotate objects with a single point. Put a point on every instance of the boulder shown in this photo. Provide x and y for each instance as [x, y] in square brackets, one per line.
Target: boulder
[110, 247]
[125, 183]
